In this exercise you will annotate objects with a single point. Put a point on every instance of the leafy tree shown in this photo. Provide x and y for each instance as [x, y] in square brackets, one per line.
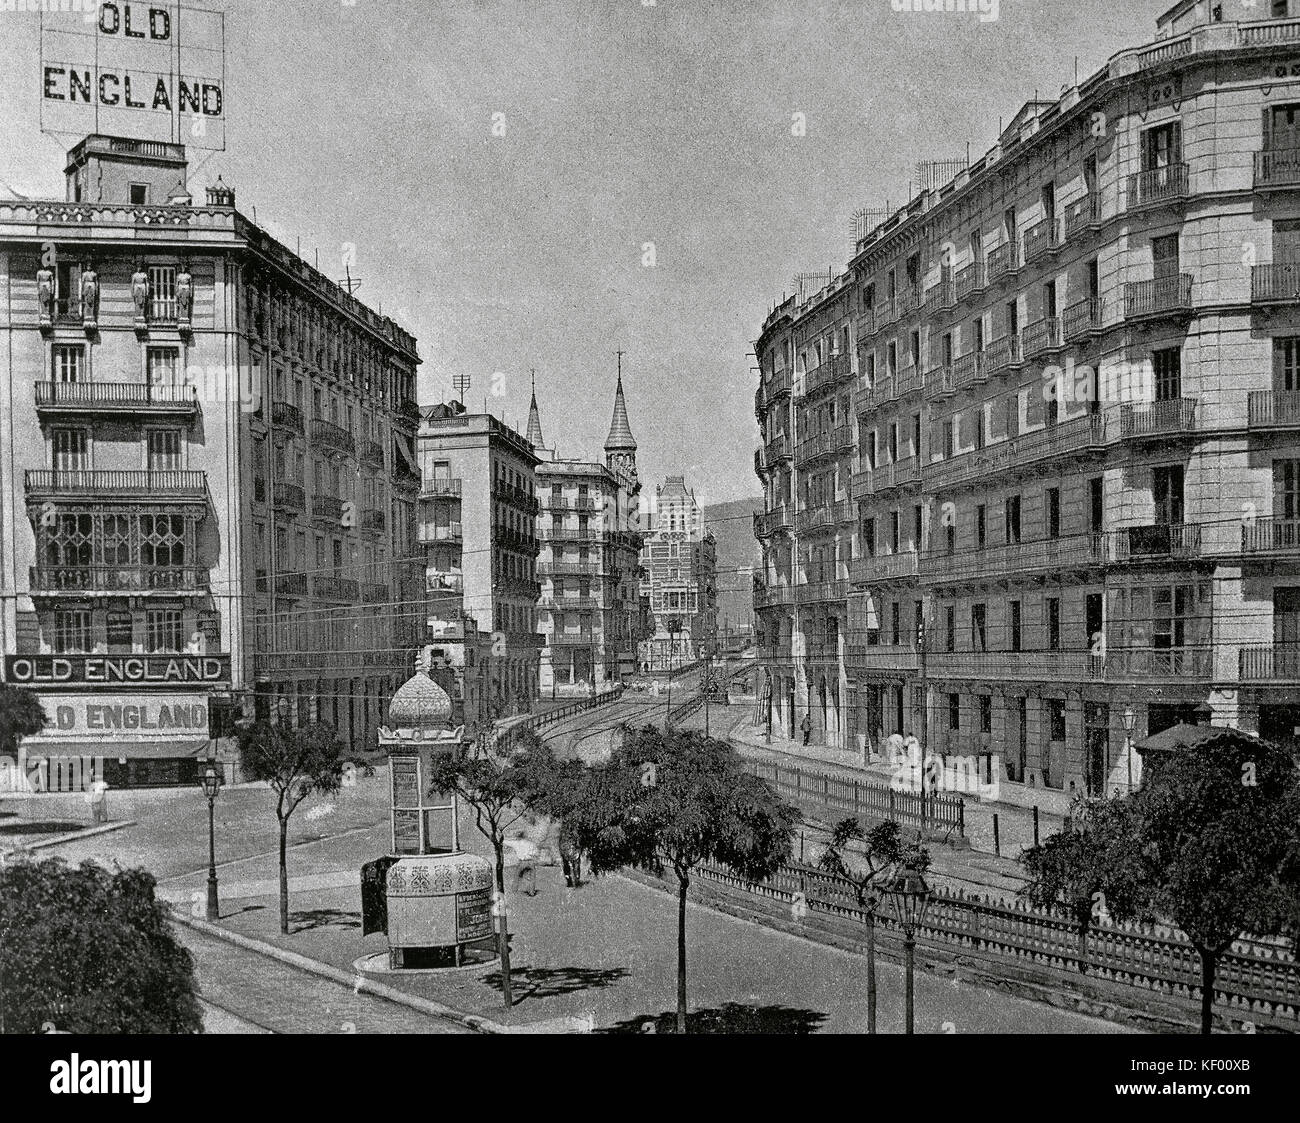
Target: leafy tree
[295, 763]
[1220, 835]
[1093, 867]
[868, 868]
[669, 797]
[503, 782]
[90, 951]
[21, 715]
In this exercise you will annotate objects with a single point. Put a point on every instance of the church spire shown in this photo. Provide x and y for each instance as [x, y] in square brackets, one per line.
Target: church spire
[534, 418]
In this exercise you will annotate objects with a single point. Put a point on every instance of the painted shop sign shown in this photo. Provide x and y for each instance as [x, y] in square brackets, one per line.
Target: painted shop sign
[473, 915]
[143, 716]
[143, 669]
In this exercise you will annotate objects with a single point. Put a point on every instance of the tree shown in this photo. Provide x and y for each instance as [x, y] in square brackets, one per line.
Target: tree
[88, 950]
[503, 781]
[1093, 867]
[867, 869]
[295, 763]
[669, 797]
[21, 715]
[1220, 832]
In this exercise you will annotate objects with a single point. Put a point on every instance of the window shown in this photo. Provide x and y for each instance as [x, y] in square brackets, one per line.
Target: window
[1286, 497]
[67, 290]
[139, 194]
[1013, 624]
[161, 364]
[162, 293]
[1053, 623]
[986, 713]
[1096, 504]
[1286, 364]
[116, 532]
[895, 543]
[954, 711]
[72, 631]
[1162, 147]
[979, 627]
[69, 450]
[869, 538]
[1053, 501]
[981, 526]
[1164, 257]
[164, 630]
[69, 542]
[1012, 515]
[1056, 719]
[895, 623]
[1167, 371]
[163, 447]
[1167, 491]
[66, 362]
[950, 627]
[162, 541]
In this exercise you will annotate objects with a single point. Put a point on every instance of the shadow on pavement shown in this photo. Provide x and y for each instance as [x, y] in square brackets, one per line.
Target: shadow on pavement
[733, 1017]
[548, 982]
[324, 918]
[41, 828]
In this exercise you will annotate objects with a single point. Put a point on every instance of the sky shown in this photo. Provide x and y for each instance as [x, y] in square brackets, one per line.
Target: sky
[541, 183]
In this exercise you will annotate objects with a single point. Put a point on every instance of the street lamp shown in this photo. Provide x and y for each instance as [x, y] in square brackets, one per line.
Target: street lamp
[1129, 720]
[210, 781]
[910, 896]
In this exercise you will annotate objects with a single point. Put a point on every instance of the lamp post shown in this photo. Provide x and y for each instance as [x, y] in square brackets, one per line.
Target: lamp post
[910, 896]
[210, 782]
[1129, 720]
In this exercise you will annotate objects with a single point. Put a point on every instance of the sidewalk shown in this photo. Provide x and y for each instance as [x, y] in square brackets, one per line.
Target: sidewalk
[979, 865]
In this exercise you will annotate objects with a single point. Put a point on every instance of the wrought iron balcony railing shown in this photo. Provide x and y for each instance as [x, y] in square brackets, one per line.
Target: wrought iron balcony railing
[335, 588]
[884, 567]
[327, 507]
[862, 656]
[1273, 409]
[1127, 664]
[291, 584]
[1082, 216]
[1158, 186]
[373, 521]
[286, 416]
[1157, 419]
[1069, 438]
[332, 437]
[970, 281]
[1155, 542]
[1002, 262]
[372, 454]
[1277, 167]
[1045, 335]
[1082, 320]
[1032, 666]
[289, 496]
[1042, 555]
[1159, 297]
[1269, 663]
[1271, 536]
[1041, 238]
[54, 579]
[1275, 284]
[441, 489]
[115, 397]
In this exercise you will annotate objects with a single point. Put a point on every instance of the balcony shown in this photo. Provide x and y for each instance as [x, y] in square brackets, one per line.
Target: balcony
[572, 604]
[1275, 284]
[1002, 354]
[409, 412]
[1158, 187]
[42, 483]
[885, 313]
[969, 370]
[774, 596]
[823, 592]
[572, 639]
[372, 454]
[1070, 438]
[1083, 216]
[778, 448]
[813, 520]
[1023, 666]
[569, 569]
[1270, 663]
[1041, 337]
[907, 302]
[901, 473]
[1048, 555]
[1158, 419]
[940, 297]
[1156, 542]
[829, 442]
[1082, 320]
[970, 281]
[291, 584]
[1277, 168]
[1042, 238]
[328, 508]
[286, 417]
[864, 657]
[1002, 262]
[910, 379]
[52, 580]
[429, 534]
[331, 437]
[290, 497]
[373, 521]
[335, 588]
[832, 372]
[405, 477]
[1273, 409]
[1129, 664]
[115, 397]
[1163, 296]
[440, 489]
[1271, 537]
[884, 567]
[866, 325]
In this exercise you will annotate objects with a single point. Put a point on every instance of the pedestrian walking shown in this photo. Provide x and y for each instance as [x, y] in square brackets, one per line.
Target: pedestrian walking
[526, 852]
[806, 726]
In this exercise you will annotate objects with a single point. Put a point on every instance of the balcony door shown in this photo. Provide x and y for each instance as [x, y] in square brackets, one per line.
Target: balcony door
[1164, 257]
[1167, 491]
[1162, 147]
[1282, 127]
[1286, 618]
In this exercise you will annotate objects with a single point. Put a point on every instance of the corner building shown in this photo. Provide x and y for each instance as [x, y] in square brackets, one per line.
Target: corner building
[207, 475]
[1031, 462]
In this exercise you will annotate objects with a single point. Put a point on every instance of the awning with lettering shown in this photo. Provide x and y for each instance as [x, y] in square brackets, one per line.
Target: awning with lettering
[156, 749]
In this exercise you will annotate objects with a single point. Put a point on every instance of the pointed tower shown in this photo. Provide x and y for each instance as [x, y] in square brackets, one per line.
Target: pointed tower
[535, 419]
[620, 445]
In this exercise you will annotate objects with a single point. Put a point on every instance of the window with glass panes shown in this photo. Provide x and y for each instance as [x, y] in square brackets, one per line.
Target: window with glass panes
[1167, 372]
[69, 449]
[72, 631]
[161, 365]
[164, 629]
[163, 449]
[67, 362]
[162, 293]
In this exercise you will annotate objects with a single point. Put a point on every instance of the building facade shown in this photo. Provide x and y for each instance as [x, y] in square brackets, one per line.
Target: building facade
[679, 562]
[207, 482]
[1031, 462]
[478, 511]
[592, 615]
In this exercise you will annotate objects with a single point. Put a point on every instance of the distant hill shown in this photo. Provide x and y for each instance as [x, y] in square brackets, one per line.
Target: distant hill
[738, 556]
